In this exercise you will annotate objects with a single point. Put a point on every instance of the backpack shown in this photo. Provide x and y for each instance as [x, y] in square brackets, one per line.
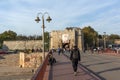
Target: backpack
[75, 54]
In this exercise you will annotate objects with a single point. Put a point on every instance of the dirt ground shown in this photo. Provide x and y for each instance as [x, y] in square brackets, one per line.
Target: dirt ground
[10, 70]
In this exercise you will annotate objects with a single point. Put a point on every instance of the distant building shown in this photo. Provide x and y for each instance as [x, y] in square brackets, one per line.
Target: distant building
[68, 37]
[117, 41]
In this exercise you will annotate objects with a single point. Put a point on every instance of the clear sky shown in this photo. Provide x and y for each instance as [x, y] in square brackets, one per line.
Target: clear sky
[19, 15]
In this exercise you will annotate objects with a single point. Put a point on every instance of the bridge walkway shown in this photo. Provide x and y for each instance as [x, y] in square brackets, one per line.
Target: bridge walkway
[62, 70]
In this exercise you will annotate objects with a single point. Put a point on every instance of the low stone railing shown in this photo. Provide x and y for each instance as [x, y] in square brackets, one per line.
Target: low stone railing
[30, 60]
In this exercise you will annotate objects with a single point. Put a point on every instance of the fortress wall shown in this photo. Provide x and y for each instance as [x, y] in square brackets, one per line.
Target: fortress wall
[21, 45]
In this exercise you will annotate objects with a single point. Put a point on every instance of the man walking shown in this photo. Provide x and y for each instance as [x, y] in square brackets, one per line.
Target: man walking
[75, 57]
[59, 50]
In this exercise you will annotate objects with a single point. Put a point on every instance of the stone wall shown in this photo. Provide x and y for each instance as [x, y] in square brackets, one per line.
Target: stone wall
[21, 45]
[75, 38]
[33, 60]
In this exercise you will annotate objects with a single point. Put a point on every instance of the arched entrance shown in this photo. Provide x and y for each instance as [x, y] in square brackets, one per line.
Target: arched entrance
[64, 45]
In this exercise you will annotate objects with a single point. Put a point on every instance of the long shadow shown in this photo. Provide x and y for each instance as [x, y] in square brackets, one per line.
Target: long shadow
[114, 69]
[96, 74]
[88, 70]
[63, 74]
[62, 63]
[97, 64]
[57, 64]
[51, 73]
[62, 68]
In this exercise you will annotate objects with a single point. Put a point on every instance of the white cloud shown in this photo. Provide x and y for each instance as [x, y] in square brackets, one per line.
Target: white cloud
[20, 14]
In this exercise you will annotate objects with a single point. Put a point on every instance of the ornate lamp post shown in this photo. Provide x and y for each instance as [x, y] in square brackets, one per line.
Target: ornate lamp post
[43, 27]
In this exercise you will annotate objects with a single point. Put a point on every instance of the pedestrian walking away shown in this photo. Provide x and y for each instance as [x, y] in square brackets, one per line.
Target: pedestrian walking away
[59, 50]
[75, 58]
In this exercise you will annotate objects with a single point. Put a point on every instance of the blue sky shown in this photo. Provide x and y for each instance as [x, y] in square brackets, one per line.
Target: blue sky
[19, 15]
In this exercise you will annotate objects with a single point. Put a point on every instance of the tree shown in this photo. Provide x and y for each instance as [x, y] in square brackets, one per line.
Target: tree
[8, 35]
[112, 37]
[21, 37]
[47, 40]
[90, 37]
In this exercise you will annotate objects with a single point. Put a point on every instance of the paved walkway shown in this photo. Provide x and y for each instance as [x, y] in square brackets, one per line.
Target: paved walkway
[62, 70]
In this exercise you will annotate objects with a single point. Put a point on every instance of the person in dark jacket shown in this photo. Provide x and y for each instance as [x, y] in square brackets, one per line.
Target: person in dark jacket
[75, 58]
[51, 59]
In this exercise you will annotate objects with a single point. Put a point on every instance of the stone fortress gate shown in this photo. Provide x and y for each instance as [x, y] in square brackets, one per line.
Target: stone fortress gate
[58, 38]
[68, 37]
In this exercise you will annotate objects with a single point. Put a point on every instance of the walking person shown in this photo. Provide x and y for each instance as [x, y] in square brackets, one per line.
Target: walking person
[53, 49]
[59, 50]
[75, 58]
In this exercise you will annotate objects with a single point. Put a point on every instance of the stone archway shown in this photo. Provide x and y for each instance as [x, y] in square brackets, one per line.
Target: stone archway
[65, 45]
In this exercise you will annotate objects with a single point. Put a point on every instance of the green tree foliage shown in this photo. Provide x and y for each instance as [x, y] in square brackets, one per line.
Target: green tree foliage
[21, 37]
[90, 36]
[100, 36]
[47, 40]
[8, 35]
[112, 37]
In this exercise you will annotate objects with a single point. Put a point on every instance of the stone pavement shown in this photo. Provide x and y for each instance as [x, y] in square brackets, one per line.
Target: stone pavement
[62, 70]
[104, 65]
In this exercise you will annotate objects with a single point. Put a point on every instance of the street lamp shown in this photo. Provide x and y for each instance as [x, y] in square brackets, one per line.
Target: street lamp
[104, 40]
[43, 27]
